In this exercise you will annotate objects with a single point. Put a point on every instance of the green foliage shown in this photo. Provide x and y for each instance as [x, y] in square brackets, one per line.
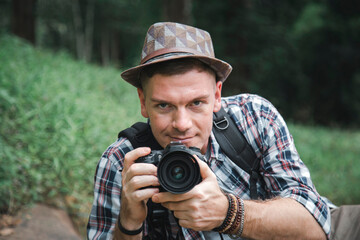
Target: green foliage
[301, 55]
[331, 156]
[311, 19]
[329, 58]
[57, 117]
[298, 54]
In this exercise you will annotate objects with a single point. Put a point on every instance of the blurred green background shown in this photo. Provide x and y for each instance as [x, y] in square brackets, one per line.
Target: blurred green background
[62, 101]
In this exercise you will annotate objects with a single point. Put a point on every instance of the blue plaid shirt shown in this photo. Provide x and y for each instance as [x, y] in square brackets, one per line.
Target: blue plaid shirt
[283, 173]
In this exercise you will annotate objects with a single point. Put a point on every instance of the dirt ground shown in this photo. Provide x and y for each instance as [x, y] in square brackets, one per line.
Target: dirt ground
[38, 222]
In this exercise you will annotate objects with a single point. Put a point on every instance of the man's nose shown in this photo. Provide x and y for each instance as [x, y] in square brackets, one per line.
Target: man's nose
[182, 120]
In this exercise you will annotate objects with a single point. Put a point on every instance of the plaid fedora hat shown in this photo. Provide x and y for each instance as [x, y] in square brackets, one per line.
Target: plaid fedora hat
[166, 41]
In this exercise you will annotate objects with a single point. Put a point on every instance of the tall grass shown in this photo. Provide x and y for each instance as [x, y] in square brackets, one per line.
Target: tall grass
[332, 155]
[58, 115]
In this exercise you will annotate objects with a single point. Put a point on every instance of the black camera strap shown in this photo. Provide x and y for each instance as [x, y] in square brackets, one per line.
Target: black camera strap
[158, 221]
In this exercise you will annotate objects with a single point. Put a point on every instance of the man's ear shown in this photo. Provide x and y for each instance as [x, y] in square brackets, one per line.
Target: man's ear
[217, 103]
[142, 103]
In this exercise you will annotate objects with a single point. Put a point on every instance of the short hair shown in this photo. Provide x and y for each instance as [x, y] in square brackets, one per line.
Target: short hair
[174, 67]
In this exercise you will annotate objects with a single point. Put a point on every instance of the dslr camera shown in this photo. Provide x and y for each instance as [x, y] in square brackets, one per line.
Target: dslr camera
[178, 171]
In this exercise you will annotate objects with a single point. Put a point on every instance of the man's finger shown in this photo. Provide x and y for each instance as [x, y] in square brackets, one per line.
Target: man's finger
[164, 197]
[205, 170]
[131, 156]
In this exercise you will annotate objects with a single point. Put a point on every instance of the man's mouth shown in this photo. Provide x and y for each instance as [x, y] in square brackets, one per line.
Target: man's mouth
[181, 139]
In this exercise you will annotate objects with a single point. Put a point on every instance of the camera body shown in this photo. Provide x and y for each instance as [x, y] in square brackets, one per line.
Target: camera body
[178, 171]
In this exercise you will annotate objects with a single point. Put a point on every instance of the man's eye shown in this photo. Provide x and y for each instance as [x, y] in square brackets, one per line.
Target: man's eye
[197, 103]
[163, 105]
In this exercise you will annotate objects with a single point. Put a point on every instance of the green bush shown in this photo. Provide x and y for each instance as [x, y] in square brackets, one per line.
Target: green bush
[57, 117]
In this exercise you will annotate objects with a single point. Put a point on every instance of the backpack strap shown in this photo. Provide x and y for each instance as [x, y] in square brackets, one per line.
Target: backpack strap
[235, 146]
[140, 135]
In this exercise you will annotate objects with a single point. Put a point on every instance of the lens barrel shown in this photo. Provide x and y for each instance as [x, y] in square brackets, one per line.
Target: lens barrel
[178, 172]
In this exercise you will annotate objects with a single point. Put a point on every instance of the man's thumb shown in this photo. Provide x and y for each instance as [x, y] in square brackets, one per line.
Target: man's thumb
[205, 170]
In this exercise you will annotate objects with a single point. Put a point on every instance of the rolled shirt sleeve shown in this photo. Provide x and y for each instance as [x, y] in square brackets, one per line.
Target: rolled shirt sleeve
[284, 173]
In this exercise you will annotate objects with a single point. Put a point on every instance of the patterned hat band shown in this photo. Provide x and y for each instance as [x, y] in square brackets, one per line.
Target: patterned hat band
[165, 41]
[168, 55]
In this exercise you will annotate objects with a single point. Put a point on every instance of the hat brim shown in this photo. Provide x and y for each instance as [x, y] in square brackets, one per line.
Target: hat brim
[221, 68]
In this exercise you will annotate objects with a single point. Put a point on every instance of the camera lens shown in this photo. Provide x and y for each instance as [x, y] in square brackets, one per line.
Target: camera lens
[178, 172]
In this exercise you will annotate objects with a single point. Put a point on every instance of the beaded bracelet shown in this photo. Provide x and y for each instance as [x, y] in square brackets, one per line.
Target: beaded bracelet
[237, 221]
[234, 219]
[229, 215]
[235, 207]
[239, 232]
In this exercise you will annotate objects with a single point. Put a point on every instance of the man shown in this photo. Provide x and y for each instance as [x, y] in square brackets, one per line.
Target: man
[179, 84]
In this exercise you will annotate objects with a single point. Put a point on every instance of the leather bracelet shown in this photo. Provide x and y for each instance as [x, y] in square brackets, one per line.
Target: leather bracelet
[234, 214]
[236, 223]
[129, 232]
[230, 212]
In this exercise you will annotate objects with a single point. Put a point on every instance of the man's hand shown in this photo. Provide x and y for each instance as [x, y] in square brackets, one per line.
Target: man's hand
[201, 209]
[136, 181]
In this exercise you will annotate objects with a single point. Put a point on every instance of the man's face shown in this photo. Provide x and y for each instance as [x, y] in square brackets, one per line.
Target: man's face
[180, 107]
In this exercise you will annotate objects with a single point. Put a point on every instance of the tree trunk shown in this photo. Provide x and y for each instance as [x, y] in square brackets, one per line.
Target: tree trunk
[23, 19]
[105, 49]
[109, 48]
[89, 29]
[114, 51]
[78, 29]
[84, 29]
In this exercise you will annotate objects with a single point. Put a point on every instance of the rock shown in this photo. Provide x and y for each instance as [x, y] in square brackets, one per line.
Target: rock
[6, 231]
